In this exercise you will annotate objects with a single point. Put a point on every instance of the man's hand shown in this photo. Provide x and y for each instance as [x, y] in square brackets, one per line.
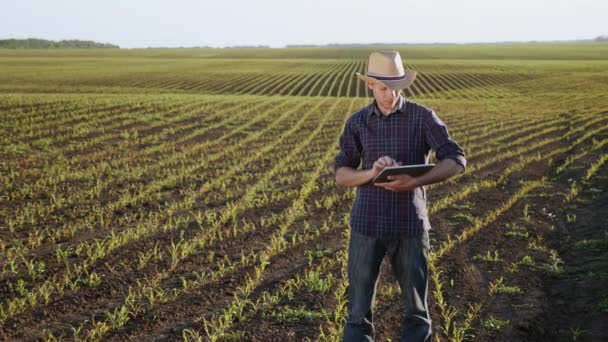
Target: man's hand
[383, 162]
[350, 177]
[399, 183]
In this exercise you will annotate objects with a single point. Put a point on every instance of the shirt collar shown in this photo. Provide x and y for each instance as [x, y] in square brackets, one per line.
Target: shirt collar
[399, 107]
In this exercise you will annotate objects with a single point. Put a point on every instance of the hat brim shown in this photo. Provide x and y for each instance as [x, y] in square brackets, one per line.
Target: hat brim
[410, 76]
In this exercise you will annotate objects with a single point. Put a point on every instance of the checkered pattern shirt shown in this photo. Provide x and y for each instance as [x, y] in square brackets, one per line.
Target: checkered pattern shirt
[406, 135]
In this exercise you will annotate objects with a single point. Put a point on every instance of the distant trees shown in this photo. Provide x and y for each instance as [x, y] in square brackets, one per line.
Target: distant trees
[602, 39]
[34, 43]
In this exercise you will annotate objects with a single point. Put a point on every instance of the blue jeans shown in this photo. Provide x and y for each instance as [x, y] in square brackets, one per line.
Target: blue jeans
[409, 260]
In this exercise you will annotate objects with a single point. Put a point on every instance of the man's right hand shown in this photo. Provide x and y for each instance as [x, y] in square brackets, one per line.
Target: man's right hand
[383, 162]
[350, 177]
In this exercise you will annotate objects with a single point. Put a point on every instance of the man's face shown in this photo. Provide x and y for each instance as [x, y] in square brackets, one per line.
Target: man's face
[385, 97]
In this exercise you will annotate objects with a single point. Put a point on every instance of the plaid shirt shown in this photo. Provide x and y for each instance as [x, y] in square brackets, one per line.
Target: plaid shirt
[406, 135]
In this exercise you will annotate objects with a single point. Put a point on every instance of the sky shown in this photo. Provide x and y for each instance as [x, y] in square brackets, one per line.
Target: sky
[276, 23]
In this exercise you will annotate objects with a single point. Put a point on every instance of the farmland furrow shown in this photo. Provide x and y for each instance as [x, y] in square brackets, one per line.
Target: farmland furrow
[100, 250]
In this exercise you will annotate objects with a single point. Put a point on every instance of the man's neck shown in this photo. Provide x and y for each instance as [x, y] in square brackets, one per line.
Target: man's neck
[388, 111]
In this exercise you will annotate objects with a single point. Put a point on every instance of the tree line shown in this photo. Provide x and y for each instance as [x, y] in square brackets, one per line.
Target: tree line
[34, 43]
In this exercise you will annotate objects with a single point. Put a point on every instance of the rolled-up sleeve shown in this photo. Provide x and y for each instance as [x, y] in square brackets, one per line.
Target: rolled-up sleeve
[439, 140]
[350, 148]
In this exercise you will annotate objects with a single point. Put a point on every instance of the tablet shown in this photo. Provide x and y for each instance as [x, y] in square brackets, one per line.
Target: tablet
[412, 170]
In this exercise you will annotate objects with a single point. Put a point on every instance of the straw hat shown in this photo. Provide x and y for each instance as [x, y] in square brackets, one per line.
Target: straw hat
[386, 67]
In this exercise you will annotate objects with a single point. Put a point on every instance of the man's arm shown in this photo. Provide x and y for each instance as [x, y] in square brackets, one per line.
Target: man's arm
[443, 170]
[349, 177]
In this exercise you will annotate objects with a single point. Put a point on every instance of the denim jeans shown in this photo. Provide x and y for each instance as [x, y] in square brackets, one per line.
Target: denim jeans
[409, 260]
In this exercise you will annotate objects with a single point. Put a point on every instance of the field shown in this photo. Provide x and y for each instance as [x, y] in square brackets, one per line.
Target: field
[188, 194]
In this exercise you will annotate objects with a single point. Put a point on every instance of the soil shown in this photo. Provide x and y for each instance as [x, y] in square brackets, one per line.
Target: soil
[559, 293]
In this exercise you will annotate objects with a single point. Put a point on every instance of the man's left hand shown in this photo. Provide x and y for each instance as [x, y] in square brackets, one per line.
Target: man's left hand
[399, 183]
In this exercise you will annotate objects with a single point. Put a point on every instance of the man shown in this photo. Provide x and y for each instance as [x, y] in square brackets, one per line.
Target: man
[390, 218]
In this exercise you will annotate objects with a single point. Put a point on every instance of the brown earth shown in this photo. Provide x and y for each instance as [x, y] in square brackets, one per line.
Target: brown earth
[558, 300]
